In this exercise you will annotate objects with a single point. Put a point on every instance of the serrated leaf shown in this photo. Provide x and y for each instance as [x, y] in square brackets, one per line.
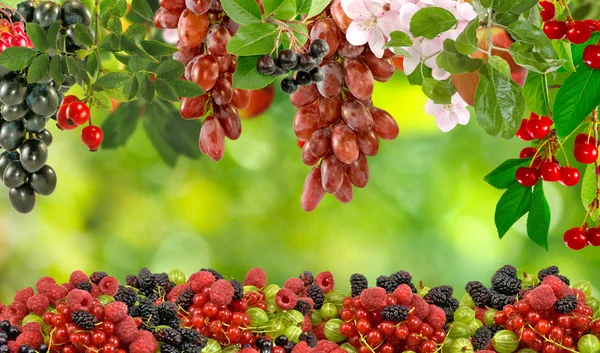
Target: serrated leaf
[170, 70]
[155, 125]
[134, 49]
[524, 55]
[158, 49]
[563, 49]
[429, 22]
[514, 204]
[588, 186]
[112, 43]
[135, 64]
[38, 36]
[398, 39]
[498, 63]
[83, 36]
[523, 6]
[467, 41]
[39, 68]
[120, 125]
[535, 94]
[136, 32]
[454, 62]
[303, 6]
[316, 7]
[122, 58]
[187, 89]
[440, 92]
[52, 35]
[142, 8]
[112, 80]
[538, 221]
[130, 89]
[146, 90]
[253, 39]
[504, 175]
[416, 77]
[76, 69]
[164, 90]
[17, 58]
[56, 70]
[112, 22]
[93, 64]
[246, 75]
[526, 32]
[243, 12]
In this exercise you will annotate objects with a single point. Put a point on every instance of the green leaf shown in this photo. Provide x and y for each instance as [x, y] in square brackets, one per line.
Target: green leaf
[300, 33]
[524, 55]
[170, 70]
[134, 49]
[535, 92]
[588, 186]
[158, 49]
[429, 22]
[112, 80]
[563, 49]
[499, 103]
[112, 43]
[243, 12]
[17, 58]
[440, 92]
[538, 221]
[253, 39]
[523, 6]
[316, 7]
[505, 18]
[398, 39]
[454, 62]
[246, 75]
[514, 204]
[93, 65]
[122, 58]
[576, 99]
[136, 32]
[38, 36]
[504, 175]
[498, 63]
[112, 22]
[500, 5]
[76, 69]
[466, 43]
[164, 90]
[120, 125]
[39, 68]
[303, 6]
[142, 8]
[526, 32]
[146, 90]
[136, 64]
[417, 76]
[187, 89]
[83, 36]
[130, 89]
[52, 35]
[287, 8]
[183, 135]
[56, 70]
[155, 124]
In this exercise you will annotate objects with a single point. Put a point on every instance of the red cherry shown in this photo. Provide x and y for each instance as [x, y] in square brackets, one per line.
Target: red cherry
[575, 239]
[522, 133]
[583, 138]
[527, 152]
[569, 176]
[527, 176]
[92, 137]
[592, 24]
[555, 29]
[579, 32]
[593, 236]
[539, 128]
[586, 153]
[548, 10]
[550, 171]
[78, 113]
[591, 56]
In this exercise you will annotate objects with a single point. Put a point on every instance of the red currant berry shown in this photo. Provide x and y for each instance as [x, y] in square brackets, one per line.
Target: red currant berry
[402, 332]
[555, 29]
[579, 32]
[527, 152]
[548, 11]
[591, 56]
[596, 327]
[500, 318]
[575, 239]
[522, 133]
[564, 321]
[586, 153]
[569, 176]
[374, 338]
[78, 113]
[386, 348]
[593, 236]
[539, 128]
[414, 324]
[92, 137]
[98, 338]
[363, 326]
[428, 347]
[543, 327]
[533, 317]
[527, 176]
[550, 171]
[556, 333]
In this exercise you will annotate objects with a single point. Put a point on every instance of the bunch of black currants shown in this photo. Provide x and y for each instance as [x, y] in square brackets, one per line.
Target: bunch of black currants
[306, 66]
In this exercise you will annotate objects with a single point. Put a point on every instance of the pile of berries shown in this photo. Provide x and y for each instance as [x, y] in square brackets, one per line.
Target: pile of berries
[305, 66]
[576, 32]
[204, 30]
[73, 113]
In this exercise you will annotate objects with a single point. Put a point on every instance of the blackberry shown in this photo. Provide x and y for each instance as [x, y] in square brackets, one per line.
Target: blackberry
[148, 312]
[358, 283]
[494, 329]
[238, 289]
[454, 303]
[145, 279]
[84, 320]
[548, 271]
[479, 293]
[167, 311]
[386, 283]
[169, 336]
[309, 338]
[449, 314]
[413, 288]
[132, 281]
[564, 279]
[96, 277]
[566, 304]
[214, 272]
[167, 348]
[190, 348]
[133, 311]
[186, 298]
[86, 286]
[401, 277]
[126, 295]
[307, 277]
[507, 270]
[481, 338]
[439, 296]
[395, 313]
[316, 294]
[194, 337]
[499, 300]
[303, 307]
[506, 284]
[162, 280]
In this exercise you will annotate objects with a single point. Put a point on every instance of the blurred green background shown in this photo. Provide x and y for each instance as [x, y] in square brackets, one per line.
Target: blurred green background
[426, 209]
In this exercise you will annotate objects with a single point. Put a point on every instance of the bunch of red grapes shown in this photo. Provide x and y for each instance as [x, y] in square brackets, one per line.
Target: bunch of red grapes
[337, 124]
[204, 30]
[576, 32]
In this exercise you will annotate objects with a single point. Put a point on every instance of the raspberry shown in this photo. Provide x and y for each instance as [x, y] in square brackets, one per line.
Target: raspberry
[177, 290]
[307, 324]
[325, 281]
[95, 292]
[394, 313]
[256, 277]
[68, 286]
[199, 280]
[307, 277]
[32, 327]
[38, 304]
[84, 320]
[506, 284]
[303, 307]
[54, 292]
[499, 300]
[480, 313]
[109, 286]
[296, 285]
[325, 346]
[566, 304]
[238, 289]
[436, 317]
[319, 332]
[421, 307]
[126, 330]
[79, 299]
[23, 295]
[403, 294]
[481, 338]
[221, 292]
[126, 295]
[78, 277]
[386, 283]
[373, 299]
[564, 279]
[96, 277]
[286, 299]
[115, 311]
[358, 283]
[316, 294]
[580, 295]
[479, 293]
[248, 350]
[559, 288]
[439, 296]
[541, 298]
[214, 272]
[169, 336]
[30, 338]
[552, 270]
[43, 281]
[145, 343]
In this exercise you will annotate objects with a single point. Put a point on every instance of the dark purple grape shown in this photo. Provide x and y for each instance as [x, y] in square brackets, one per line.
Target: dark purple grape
[73, 12]
[44, 180]
[13, 89]
[22, 198]
[12, 135]
[5, 159]
[14, 112]
[14, 175]
[34, 155]
[42, 100]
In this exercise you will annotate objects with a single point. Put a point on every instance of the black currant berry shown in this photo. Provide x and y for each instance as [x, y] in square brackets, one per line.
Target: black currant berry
[288, 59]
[34, 123]
[44, 180]
[34, 155]
[14, 175]
[26, 9]
[317, 74]
[5, 159]
[46, 14]
[74, 11]
[289, 85]
[319, 48]
[279, 71]
[14, 112]
[266, 65]
[13, 89]
[303, 78]
[12, 135]
[42, 100]
[306, 62]
[45, 136]
[22, 198]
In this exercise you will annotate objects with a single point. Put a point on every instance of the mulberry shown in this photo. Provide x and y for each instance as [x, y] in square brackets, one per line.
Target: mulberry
[316, 294]
[214, 272]
[192, 336]
[395, 313]
[186, 298]
[238, 289]
[479, 293]
[564, 279]
[148, 312]
[566, 304]
[481, 338]
[190, 348]
[126, 295]
[167, 311]
[146, 279]
[549, 271]
[167, 348]
[303, 307]
[84, 320]
[169, 336]
[494, 329]
[96, 277]
[309, 338]
[358, 283]
[386, 283]
[506, 284]
[132, 281]
[439, 296]
[162, 280]
[507, 270]
[86, 286]
[401, 277]
[499, 300]
[307, 277]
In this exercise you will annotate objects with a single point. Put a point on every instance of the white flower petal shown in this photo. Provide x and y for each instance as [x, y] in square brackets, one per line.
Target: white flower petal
[411, 63]
[465, 11]
[376, 43]
[357, 33]
[433, 109]
[446, 120]
[406, 13]
[388, 23]
[355, 9]
[440, 74]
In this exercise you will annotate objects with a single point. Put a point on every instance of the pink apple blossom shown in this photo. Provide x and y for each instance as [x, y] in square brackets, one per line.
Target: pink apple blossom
[449, 115]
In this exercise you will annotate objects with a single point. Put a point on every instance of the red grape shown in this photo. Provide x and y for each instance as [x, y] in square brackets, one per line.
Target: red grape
[368, 143]
[205, 72]
[326, 30]
[332, 85]
[193, 108]
[330, 110]
[192, 28]
[359, 172]
[356, 115]
[384, 125]
[212, 138]
[345, 192]
[229, 119]
[320, 142]
[216, 40]
[358, 78]
[313, 192]
[306, 122]
[344, 144]
[332, 173]
[304, 96]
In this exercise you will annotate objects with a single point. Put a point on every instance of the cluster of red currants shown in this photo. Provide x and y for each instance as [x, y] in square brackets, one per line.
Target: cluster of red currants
[204, 31]
[73, 113]
[337, 124]
[579, 238]
[13, 35]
